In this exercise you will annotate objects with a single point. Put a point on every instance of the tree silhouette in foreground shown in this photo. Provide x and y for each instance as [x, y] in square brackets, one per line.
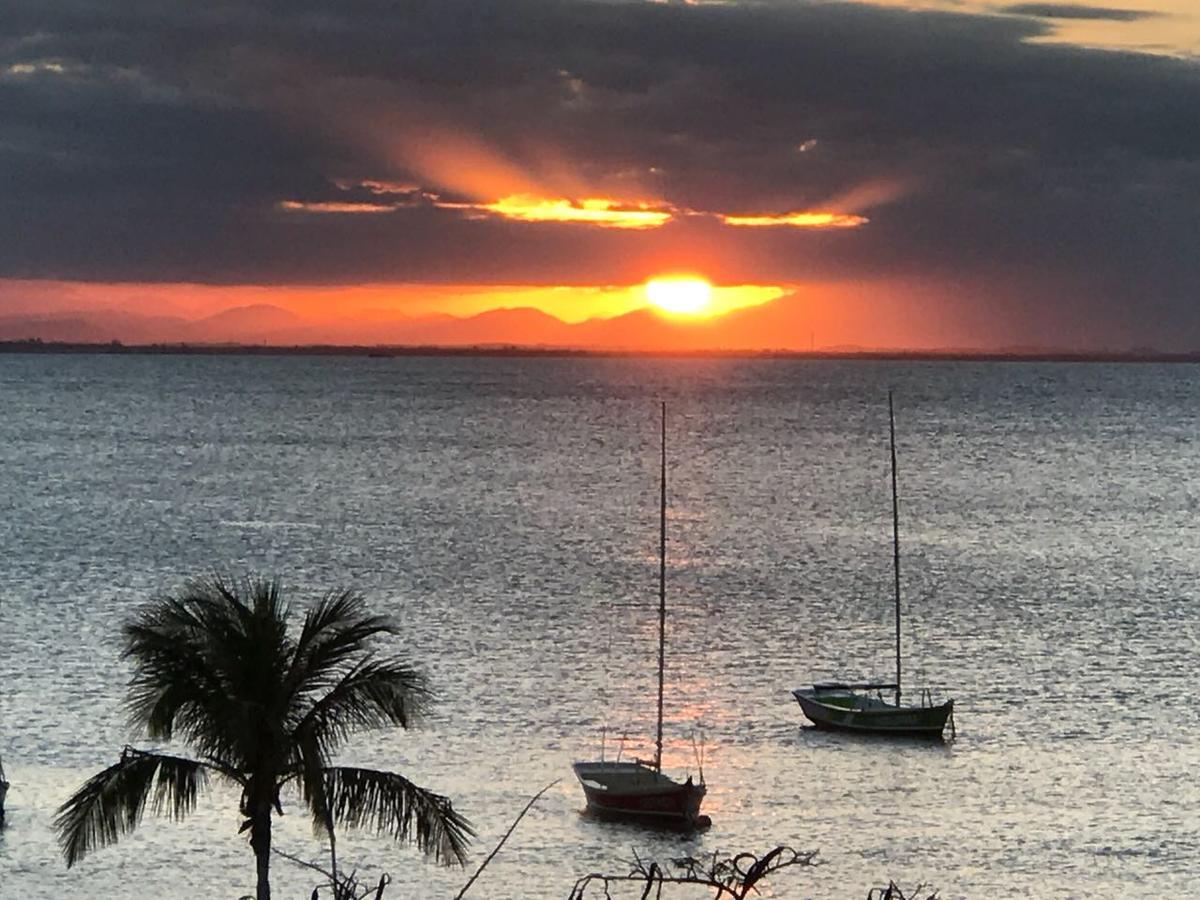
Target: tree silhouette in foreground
[730, 877]
[263, 706]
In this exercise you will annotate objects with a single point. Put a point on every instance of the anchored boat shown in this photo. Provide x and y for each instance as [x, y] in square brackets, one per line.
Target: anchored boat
[836, 706]
[861, 707]
[3, 791]
[638, 790]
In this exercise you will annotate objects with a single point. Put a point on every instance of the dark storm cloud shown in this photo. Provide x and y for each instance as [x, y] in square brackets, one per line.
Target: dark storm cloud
[156, 141]
[1073, 11]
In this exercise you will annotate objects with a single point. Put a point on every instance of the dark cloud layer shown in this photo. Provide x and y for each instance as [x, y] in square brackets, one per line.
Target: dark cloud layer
[155, 141]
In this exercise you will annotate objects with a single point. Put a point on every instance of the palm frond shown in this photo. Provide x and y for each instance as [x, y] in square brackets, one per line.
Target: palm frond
[309, 772]
[372, 694]
[110, 804]
[168, 642]
[393, 805]
[209, 665]
[335, 631]
[340, 613]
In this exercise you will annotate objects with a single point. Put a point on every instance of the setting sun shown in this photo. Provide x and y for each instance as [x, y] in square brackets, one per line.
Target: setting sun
[682, 296]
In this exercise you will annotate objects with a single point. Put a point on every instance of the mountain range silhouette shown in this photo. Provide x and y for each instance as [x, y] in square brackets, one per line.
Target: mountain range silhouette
[772, 325]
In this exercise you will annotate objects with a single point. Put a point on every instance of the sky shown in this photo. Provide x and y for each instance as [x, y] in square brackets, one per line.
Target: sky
[958, 174]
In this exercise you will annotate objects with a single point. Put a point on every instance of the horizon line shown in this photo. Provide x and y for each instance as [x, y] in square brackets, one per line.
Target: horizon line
[1015, 354]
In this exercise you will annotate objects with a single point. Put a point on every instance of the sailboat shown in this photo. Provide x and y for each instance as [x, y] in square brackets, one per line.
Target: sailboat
[860, 707]
[3, 791]
[638, 790]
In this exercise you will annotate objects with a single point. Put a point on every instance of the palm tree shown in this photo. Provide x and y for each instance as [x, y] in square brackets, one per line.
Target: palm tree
[262, 707]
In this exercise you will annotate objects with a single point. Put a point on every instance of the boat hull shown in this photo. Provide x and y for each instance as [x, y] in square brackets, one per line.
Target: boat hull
[635, 792]
[874, 718]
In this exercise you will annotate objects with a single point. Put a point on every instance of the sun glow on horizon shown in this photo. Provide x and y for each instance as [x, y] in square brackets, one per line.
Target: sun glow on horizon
[680, 295]
[380, 312]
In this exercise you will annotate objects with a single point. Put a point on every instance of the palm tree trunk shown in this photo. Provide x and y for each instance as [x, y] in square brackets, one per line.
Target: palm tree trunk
[260, 842]
[333, 859]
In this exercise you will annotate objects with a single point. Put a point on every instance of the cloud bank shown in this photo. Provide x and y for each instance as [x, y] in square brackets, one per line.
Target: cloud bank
[318, 142]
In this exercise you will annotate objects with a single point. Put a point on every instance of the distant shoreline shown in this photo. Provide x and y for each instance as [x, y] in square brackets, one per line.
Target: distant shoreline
[520, 352]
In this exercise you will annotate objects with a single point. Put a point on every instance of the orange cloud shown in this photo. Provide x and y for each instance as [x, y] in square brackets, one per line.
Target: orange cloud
[797, 220]
[593, 211]
[449, 168]
[444, 165]
[604, 212]
[599, 211]
[334, 207]
[446, 159]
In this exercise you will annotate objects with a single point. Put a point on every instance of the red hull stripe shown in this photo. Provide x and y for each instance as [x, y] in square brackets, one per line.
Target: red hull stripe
[675, 804]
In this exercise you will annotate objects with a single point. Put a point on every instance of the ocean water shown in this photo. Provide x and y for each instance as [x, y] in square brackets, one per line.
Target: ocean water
[504, 511]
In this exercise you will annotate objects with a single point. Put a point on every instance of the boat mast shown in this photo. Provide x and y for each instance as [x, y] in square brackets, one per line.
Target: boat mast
[895, 537]
[662, 586]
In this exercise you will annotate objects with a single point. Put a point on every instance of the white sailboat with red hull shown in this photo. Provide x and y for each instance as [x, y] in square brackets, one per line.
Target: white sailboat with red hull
[638, 790]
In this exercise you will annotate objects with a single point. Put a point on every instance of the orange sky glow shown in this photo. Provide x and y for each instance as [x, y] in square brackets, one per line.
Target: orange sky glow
[570, 303]
[672, 312]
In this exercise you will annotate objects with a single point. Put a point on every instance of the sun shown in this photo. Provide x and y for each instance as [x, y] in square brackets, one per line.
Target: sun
[684, 296]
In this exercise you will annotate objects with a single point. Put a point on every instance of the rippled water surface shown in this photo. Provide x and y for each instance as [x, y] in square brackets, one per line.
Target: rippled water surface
[504, 511]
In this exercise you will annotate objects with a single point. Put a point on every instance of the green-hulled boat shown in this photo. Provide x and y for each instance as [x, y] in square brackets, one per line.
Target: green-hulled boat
[861, 708]
[835, 706]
